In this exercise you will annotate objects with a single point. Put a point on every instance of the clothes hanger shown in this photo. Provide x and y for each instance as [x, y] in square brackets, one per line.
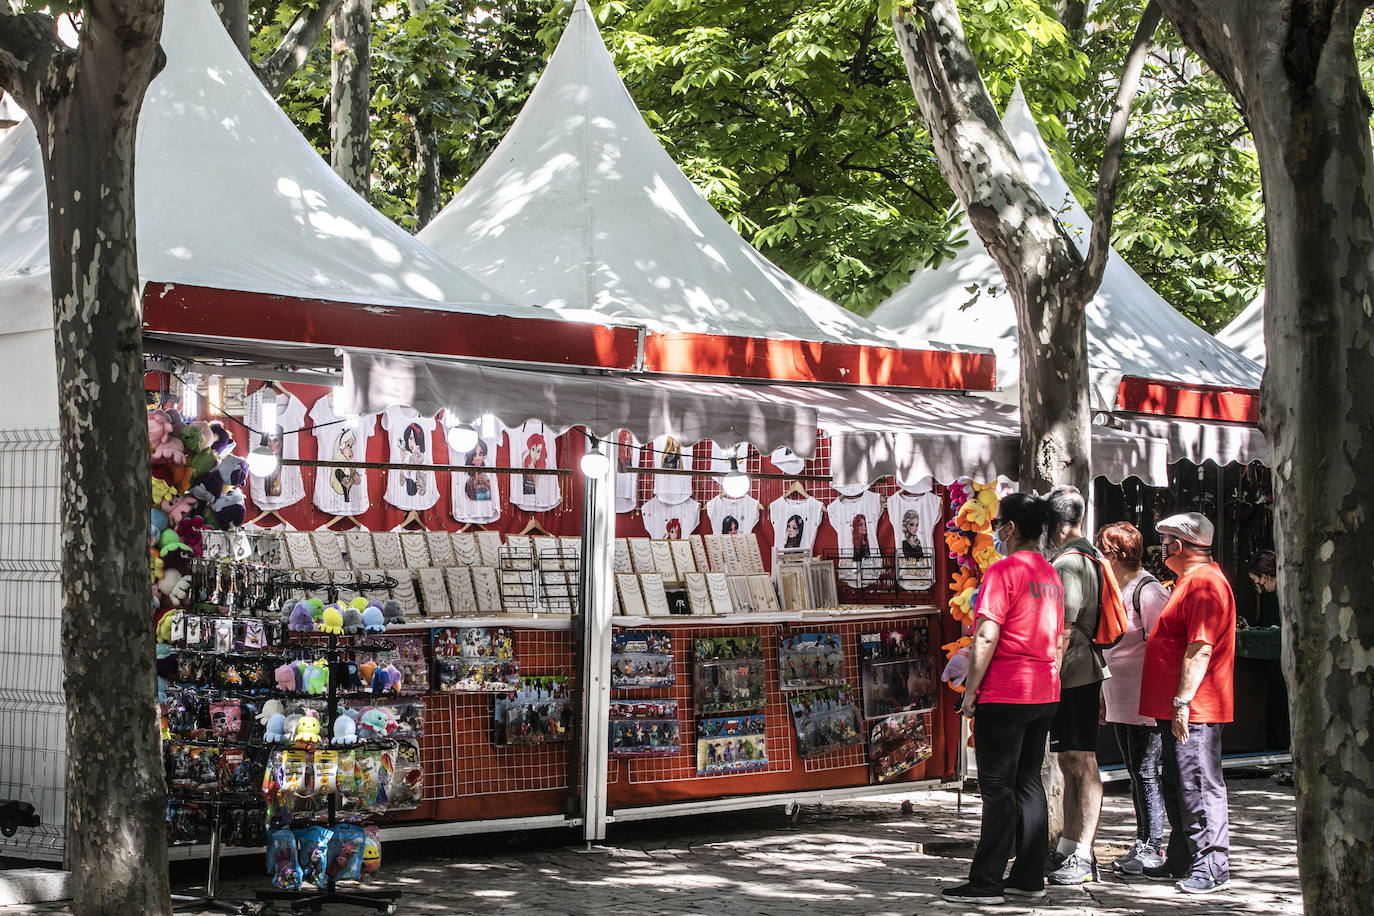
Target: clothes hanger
[270, 513]
[412, 518]
[329, 525]
[796, 488]
[533, 526]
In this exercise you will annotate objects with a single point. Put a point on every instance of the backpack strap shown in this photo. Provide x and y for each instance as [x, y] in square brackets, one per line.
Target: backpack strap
[1101, 584]
[1145, 579]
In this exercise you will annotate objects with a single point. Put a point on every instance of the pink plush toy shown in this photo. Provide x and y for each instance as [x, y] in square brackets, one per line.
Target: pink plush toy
[287, 679]
[190, 531]
[177, 508]
[166, 448]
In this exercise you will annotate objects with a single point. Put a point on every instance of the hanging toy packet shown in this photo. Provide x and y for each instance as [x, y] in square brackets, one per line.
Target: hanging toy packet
[346, 853]
[282, 862]
[313, 848]
[372, 850]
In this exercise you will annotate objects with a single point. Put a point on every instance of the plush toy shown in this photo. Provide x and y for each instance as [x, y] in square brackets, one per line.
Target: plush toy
[308, 729]
[163, 446]
[316, 609]
[162, 492]
[157, 522]
[302, 620]
[380, 681]
[289, 730]
[365, 671]
[288, 678]
[175, 586]
[233, 470]
[345, 730]
[164, 627]
[229, 508]
[392, 612]
[171, 542]
[372, 621]
[271, 708]
[317, 677]
[155, 565]
[375, 722]
[352, 620]
[332, 620]
[190, 532]
[177, 508]
[275, 731]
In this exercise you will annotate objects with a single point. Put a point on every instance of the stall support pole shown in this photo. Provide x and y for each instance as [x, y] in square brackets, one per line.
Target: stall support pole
[598, 597]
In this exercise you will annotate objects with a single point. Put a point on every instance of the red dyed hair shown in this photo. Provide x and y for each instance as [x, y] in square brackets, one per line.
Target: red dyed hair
[1121, 540]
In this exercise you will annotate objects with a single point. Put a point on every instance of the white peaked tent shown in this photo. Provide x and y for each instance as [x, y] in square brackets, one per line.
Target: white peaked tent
[581, 209]
[243, 230]
[1132, 331]
[1245, 333]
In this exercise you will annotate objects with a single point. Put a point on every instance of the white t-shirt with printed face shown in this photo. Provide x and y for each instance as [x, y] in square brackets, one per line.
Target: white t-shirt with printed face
[736, 515]
[668, 453]
[476, 496]
[855, 521]
[673, 521]
[913, 517]
[340, 491]
[410, 438]
[795, 521]
[284, 486]
[533, 446]
[625, 453]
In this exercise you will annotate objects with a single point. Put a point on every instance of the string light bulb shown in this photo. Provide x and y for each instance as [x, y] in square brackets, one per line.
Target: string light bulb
[462, 438]
[595, 463]
[262, 461]
[736, 483]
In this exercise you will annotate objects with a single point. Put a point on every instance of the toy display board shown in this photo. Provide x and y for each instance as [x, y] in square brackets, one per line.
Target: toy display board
[825, 720]
[475, 660]
[726, 746]
[540, 711]
[644, 728]
[642, 659]
[898, 743]
[729, 675]
[896, 671]
[807, 661]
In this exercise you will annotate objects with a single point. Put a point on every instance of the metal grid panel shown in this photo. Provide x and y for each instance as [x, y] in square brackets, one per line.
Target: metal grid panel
[436, 747]
[782, 743]
[481, 768]
[33, 736]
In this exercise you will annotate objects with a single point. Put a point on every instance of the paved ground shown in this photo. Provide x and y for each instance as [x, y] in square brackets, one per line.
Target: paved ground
[864, 856]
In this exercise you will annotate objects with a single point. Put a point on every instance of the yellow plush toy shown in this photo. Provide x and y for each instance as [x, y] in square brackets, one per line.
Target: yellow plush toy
[332, 622]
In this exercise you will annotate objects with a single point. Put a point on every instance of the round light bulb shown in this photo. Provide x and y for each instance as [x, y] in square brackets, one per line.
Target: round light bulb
[736, 483]
[261, 461]
[595, 464]
[462, 438]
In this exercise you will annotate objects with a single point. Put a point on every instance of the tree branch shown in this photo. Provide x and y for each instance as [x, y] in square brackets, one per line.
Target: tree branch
[29, 47]
[281, 64]
[1100, 244]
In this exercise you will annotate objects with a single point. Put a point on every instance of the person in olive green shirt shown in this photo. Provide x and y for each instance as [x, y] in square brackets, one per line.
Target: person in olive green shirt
[1073, 736]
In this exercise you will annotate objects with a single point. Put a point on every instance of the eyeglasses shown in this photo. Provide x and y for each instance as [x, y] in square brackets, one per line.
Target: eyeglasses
[999, 522]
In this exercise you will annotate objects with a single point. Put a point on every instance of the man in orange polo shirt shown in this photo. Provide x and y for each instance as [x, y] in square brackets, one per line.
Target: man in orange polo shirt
[1187, 687]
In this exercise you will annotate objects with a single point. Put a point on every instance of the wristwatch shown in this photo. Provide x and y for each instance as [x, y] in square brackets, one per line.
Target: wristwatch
[1181, 703]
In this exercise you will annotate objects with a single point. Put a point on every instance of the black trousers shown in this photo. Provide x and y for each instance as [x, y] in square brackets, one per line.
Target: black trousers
[1009, 745]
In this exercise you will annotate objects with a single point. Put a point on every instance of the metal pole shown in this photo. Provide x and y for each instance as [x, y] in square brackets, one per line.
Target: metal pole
[598, 541]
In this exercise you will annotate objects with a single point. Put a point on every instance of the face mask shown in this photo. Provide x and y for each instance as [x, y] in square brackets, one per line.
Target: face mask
[998, 544]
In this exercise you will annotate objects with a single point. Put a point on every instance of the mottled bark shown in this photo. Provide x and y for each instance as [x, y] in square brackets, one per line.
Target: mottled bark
[234, 15]
[84, 104]
[1292, 68]
[350, 95]
[279, 66]
[427, 163]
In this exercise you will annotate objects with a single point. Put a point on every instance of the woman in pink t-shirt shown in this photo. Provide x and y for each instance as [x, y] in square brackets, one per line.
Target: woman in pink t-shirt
[1013, 687]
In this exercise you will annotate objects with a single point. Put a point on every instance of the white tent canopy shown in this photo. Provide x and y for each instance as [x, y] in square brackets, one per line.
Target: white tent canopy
[1132, 331]
[1245, 333]
[231, 196]
[581, 209]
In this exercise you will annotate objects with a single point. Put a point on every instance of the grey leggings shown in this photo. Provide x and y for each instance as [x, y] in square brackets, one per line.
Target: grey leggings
[1142, 747]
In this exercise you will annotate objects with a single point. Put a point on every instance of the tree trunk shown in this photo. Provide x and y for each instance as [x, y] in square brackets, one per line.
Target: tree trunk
[427, 164]
[1294, 73]
[282, 63]
[85, 105]
[234, 15]
[351, 141]
[1039, 263]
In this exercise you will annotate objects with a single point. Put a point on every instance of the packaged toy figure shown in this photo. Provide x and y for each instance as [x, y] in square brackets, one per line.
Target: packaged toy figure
[282, 862]
[326, 772]
[225, 719]
[372, 850]
[312, 844]
[346, 853]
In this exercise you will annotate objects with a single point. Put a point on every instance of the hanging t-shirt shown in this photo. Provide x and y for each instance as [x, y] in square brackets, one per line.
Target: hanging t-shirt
[410, 437]
[913, 517]
[855, 521]
[667, 453]
[795, 521]
[626, 470]
[284, 486]
[476, 496]
[671, 521]
[533, 446]
[340, 491]
[736, 515]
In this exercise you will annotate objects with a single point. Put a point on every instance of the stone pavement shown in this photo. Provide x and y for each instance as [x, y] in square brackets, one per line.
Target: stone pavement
[861, 856]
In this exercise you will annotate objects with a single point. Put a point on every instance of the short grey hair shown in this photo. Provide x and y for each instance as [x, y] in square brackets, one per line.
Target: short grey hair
[1067, 505]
